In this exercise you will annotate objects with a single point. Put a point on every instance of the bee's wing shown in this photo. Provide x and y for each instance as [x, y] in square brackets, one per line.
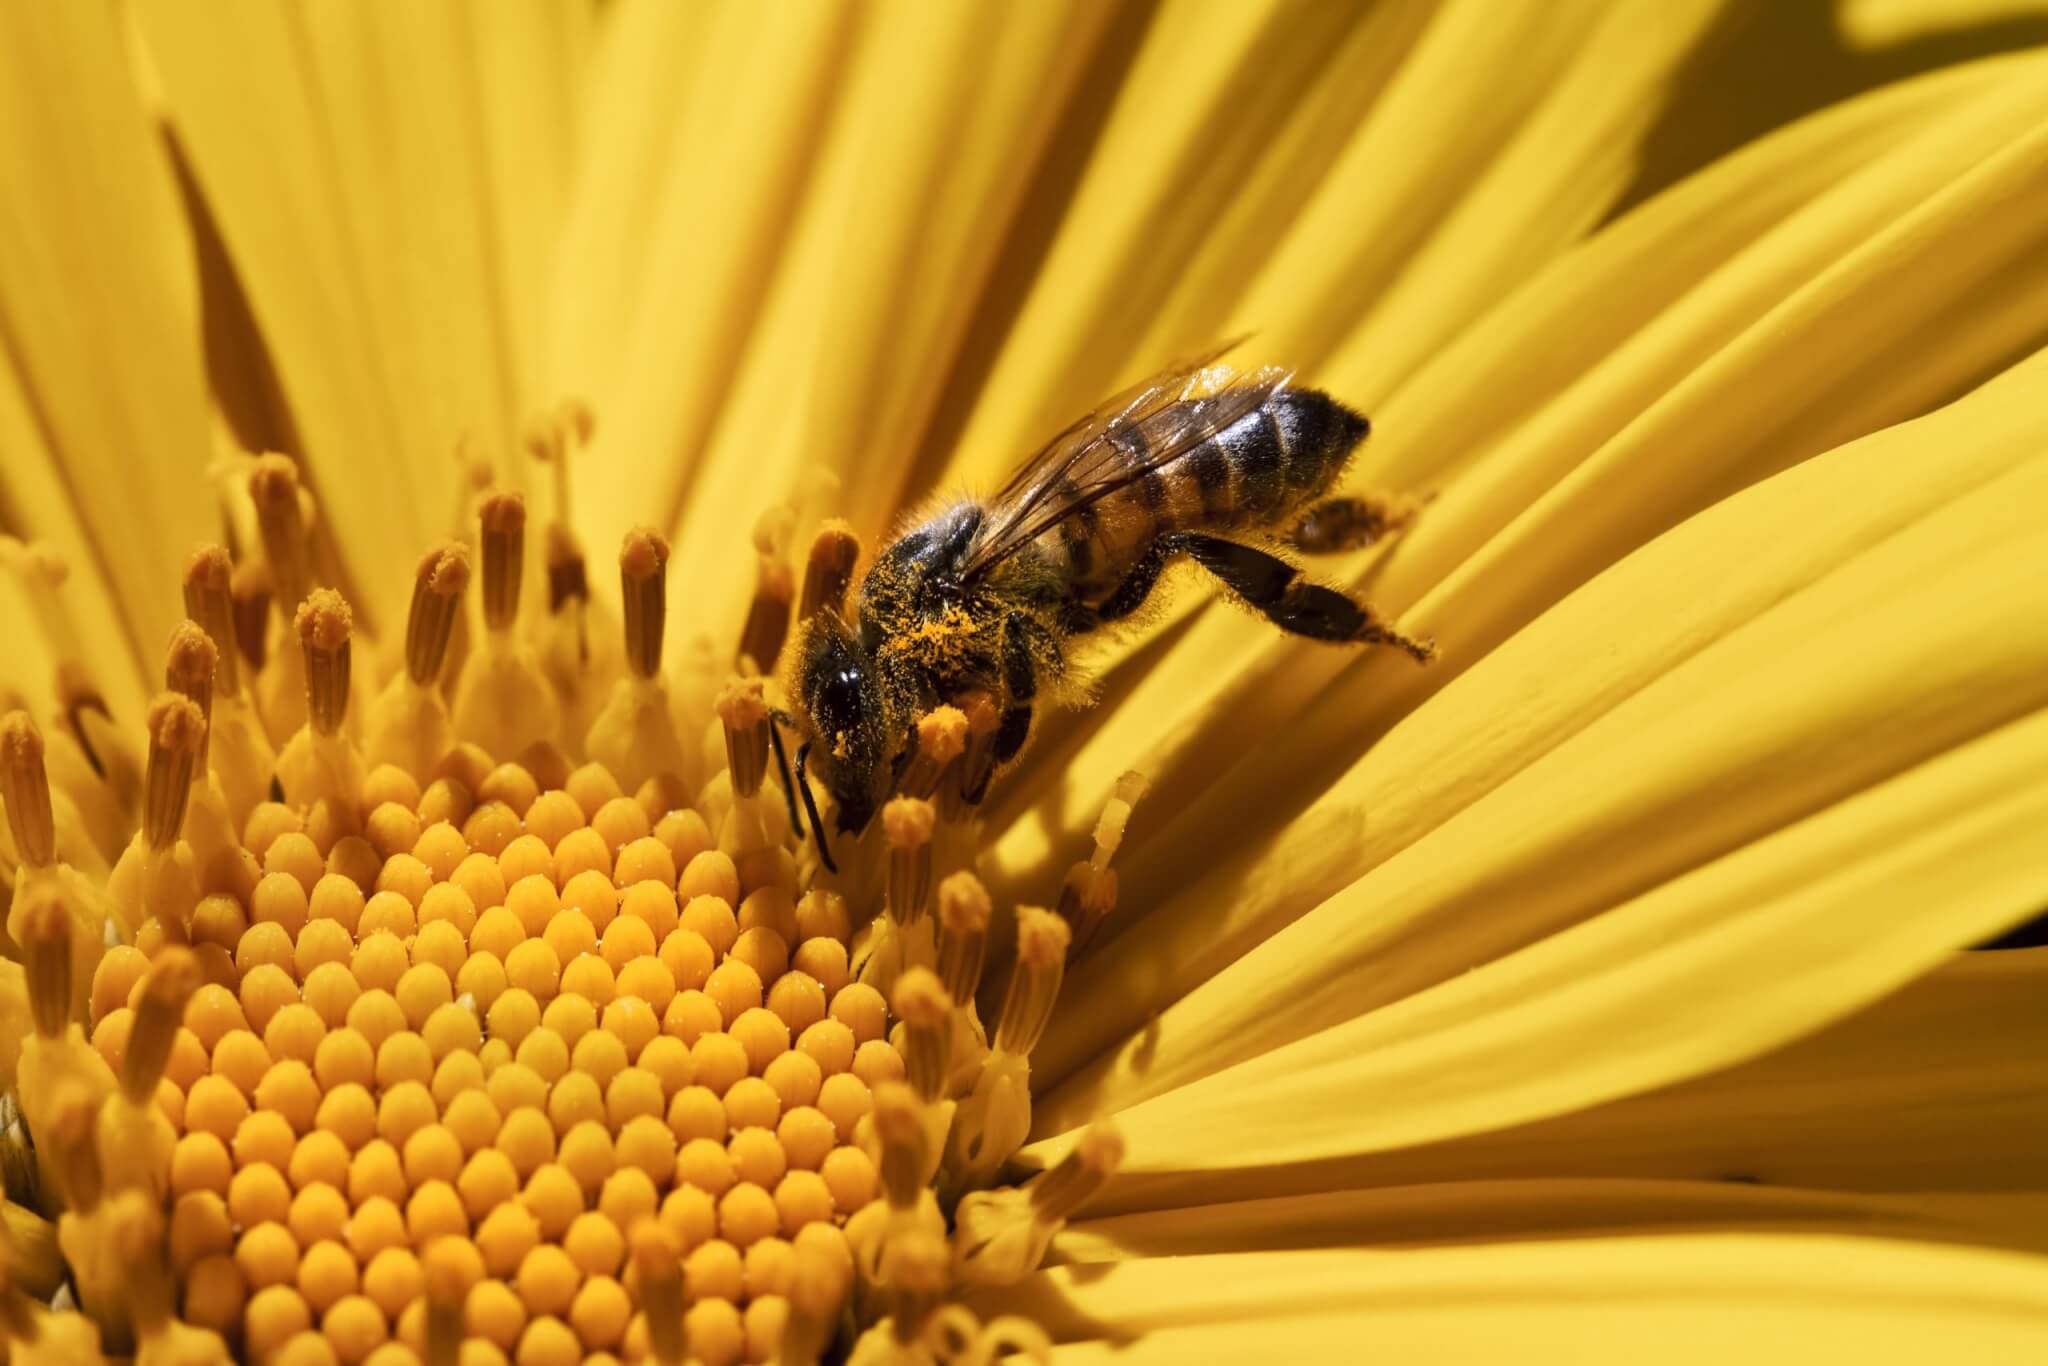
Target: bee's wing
[1144, 428]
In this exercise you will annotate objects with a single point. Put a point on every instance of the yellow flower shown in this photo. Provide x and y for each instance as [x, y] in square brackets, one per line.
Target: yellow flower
[1592, 993]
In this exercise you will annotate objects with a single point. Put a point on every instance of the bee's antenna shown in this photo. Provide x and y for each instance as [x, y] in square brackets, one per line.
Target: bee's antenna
[803, 752]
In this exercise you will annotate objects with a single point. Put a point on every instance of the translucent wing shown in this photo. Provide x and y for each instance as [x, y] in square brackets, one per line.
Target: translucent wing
[1144, 428]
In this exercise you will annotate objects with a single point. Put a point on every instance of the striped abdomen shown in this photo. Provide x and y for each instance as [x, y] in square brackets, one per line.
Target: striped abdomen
[1251, 475]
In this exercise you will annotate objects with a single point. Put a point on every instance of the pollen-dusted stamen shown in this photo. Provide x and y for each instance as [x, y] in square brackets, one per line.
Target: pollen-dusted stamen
[567, 578]
[1042, 939]
[189, 663]
[774, 590]
[743, 711]
[503, 519]
[1089, 894]
[964, 911]
[967, 779]
[274, 488]
[643, 586]
[941, 738]
[835, 550]
[25, 786]
[324, 624]
[176, 734]
[436, 599]
[1068, 1186]
[251, 590]
[658, 1258]
[210, 601]
[450, 1266]
[817, 1287]
[914, 1267]
[159, 1009]
[921, 1002]
[901, 1132]
[907, 825]
[46, 955]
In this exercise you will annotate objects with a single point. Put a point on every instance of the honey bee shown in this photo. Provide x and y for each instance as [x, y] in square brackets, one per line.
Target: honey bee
[985, 598]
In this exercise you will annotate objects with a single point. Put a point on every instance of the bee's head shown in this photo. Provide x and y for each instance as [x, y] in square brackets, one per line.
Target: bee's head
[842, 693]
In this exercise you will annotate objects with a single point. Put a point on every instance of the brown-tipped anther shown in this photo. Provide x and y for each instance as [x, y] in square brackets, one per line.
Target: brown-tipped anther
[437, 588]
[252, 591]
[210, 601]
[189, 663]
[1089, 894]
[966, 781]
[915, 1266]
[503, 519]
[46, 955]
[579, 420]
[324, 624]
[829, 570]
[964, 911]
[1042, 940]
[274, 489]
[941, 739]
[159, 1009]
[25, 787]
[450, 1266]
[177, 733]
[907, 825]
[568, 580]
[643, 587]
[920, 1000]
[1068, 1186]
[900, 1129]
[658, 1259]
[743, 712]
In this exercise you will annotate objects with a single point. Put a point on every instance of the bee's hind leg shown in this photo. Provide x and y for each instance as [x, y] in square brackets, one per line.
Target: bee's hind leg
[1028, 649]
[1351, 521]
[1278, 592]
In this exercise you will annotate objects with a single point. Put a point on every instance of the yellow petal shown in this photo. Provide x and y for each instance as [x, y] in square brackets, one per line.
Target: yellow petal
[1707, 1299]
[104, 419]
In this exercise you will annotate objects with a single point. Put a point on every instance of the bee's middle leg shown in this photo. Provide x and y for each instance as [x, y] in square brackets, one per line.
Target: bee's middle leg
[1020, 681]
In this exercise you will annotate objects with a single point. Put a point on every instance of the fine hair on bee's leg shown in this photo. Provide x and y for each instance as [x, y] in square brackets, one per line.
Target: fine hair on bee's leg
[1350, 522]
[1277, 591]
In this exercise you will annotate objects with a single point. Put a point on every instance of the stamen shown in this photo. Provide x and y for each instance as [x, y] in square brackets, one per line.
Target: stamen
[829, 571]
[159, 1009]
[188, 669]
[907, 824]
[251, 589]
[941, 738]
[567, 578]
[274, 488]
[25, 786]
[74, 1157]
[1042, 939]
[137, 1235]
[921, 1002]
[176, 733]
[774, 589]
[658, 1257]
[743, 711]
[901, 1133]
[964, 911]
[46, 956]
[968, 779]
[503, 518]
[550, 437]
[324, 623]
[209, 600]
[817, 1288]
[1089, 894]
[450, 1266]
[473, 475]
[436, 601]
[1057, 1194]
[643, 585]
[914, 1266]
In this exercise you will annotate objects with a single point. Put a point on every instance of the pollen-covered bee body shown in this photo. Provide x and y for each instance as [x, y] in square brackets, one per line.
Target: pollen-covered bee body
[982, 599]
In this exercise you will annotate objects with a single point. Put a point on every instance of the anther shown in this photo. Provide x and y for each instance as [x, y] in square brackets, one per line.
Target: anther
[251, 589]
[209, 600]
[1042, 940]
[274, 488]
[324, 624]
[658, 1259]
[450, 1266]
[774, 589]
[817, 1288]
[964, 911]
[901, 1133]
[1089, 893]
[643, 586]
[436, 600]
[968, 780]
[914, 1267]
[829, 571]
[159, 1010]
[743, 711]
[926, 1010]
[188, 668]
[941, 739]
[74, 1157]
[25, 786]
[1069, 1185]
[46, 955]
[176, 733]
[503, 519]
[567, 579]
[907, 824]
